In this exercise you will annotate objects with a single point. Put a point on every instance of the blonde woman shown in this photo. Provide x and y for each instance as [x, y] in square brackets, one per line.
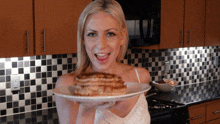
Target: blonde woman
[102, 41]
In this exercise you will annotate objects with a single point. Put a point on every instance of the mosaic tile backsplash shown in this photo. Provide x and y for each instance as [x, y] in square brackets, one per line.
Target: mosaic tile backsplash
[38, 74]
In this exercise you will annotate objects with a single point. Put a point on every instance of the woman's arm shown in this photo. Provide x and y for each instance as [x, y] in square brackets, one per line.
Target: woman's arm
[67, 110]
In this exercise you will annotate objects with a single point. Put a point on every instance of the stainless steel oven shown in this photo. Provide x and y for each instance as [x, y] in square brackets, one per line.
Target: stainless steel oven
[166, 112]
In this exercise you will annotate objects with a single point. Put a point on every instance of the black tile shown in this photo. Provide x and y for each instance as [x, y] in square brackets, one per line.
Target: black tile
[15, 104]
[26, 76]
[21, 96]
[39, 88]
[2, 72]
[20, 70]
[9, 98]
[43, 62]
[14, 64]
[2, 92]
[3, 112]
[9, 105]
[33, 101]
[27, 102]
[27, 89]
[2, 99]
[33, 95]
[32, 63]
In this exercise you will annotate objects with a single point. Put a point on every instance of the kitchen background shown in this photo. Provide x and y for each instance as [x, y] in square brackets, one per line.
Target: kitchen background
[38, 74]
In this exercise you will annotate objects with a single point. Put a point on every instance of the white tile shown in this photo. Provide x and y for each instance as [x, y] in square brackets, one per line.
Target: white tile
[54, 61]
[49, 92]
[26, 58]
[2, 85]
[21, 103]
[48, 56]
[14, 71]
[37, 62]
[38, 81]
[26, 70]
[2, 59]
[44, 87]
[39, 100]
[8, 65]
[59, 67]
[27, 96]
[15, 97]
[27, 108]
[32, 89]
[44, 105]
[64, 60]
[9, 111]
[8, 92]
[3, 106]
[54, 73]
[32, 76]
[14, 59]
[43, 68]
[49, 80]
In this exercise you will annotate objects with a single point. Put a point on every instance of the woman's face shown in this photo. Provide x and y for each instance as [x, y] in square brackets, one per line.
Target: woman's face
[102, 39]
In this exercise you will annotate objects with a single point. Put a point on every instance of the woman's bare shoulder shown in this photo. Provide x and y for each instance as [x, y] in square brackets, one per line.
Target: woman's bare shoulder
[66, 79]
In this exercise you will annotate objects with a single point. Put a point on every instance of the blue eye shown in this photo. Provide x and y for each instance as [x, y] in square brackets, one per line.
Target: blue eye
[111, 34]
[91, 34]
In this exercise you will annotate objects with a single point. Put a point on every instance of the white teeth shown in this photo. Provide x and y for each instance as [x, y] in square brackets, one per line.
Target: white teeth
[101, 55]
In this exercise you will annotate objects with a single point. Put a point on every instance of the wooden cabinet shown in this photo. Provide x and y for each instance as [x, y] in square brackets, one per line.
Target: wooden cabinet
[172, 18]
[197, 115]
[39, 27]
[208, 112]
[56, 25]
[16, 28]
[212, 27]
[213, 111]
[194, 23]
[182, 23]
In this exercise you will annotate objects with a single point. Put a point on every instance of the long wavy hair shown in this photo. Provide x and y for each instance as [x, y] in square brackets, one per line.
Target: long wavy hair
[114, 9]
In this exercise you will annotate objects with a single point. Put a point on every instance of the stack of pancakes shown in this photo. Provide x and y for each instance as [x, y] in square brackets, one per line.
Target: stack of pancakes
[99, 84]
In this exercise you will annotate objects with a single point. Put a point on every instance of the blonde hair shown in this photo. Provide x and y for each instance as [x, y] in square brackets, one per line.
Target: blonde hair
[114, 9]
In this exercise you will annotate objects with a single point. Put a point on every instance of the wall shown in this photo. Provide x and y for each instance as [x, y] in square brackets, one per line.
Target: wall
[38, 74]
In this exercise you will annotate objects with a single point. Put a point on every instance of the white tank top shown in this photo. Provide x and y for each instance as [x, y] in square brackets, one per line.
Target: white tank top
[138, 115]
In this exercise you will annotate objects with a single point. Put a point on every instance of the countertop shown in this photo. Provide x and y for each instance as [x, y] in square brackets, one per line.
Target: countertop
[188, 94]
[191, 94]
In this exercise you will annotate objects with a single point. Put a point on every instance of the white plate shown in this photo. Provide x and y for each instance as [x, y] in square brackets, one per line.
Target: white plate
[133, 89]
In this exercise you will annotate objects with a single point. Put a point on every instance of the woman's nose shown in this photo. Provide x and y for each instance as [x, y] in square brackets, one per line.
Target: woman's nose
[102, 42]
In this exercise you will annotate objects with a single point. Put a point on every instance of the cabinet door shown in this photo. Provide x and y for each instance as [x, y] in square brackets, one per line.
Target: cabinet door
[56, 25]
[16, 19]
[213, 111]
[197, 115]
[172, 13]
[194, 23]
[212, 29]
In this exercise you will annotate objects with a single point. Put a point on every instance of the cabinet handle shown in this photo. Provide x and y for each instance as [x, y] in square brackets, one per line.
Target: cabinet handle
[200, 116]
[44, 40]
[189, 36]
[216, 112]
[28, 41]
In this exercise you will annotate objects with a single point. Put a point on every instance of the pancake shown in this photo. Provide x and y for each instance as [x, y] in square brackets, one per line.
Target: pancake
[99, 84]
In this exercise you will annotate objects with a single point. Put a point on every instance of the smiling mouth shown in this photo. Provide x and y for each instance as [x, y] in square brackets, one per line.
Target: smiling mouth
[102, 57]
